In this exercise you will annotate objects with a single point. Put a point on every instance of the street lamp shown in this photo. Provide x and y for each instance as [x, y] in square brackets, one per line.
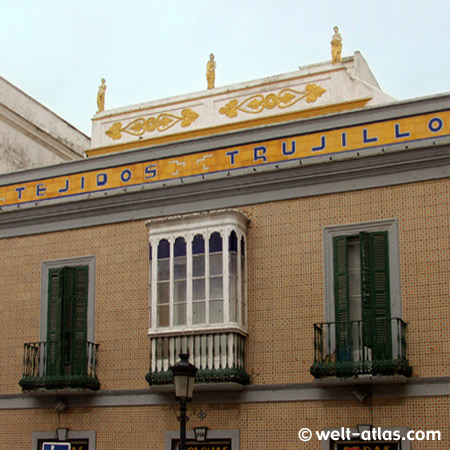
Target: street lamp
[183, 379]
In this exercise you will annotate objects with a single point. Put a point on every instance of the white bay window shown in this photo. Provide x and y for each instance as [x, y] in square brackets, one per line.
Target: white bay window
[197, 272]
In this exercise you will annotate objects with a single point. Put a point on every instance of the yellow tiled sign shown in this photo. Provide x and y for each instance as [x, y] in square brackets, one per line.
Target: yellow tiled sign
[277, 151]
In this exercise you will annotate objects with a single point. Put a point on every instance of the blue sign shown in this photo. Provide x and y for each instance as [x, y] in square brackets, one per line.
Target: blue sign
[56, 446]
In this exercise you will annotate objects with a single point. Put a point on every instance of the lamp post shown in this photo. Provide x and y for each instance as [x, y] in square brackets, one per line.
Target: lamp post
[183, 379]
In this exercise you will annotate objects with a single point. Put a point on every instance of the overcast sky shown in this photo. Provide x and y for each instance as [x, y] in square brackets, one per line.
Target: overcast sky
[58, 50]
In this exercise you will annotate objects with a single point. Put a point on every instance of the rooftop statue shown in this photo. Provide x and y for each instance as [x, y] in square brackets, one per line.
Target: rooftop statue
[101, 96]
[336, 46]
[211, 71]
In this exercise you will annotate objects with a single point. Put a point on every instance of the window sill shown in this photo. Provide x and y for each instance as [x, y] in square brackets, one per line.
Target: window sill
[201, 387]
[219, 328]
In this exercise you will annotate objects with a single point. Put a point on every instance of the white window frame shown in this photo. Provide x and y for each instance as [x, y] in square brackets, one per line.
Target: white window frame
[187, 227]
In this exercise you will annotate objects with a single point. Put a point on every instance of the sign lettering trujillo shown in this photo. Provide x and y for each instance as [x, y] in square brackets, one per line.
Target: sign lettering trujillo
[276, 151]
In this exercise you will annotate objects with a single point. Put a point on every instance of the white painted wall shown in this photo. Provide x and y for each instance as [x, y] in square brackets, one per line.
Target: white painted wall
[31, 135]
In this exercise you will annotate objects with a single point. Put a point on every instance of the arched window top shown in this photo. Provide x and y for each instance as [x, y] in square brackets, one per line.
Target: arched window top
[232, 242]
[179, 247]
[163, 249]
[215, 243]
[198, 245]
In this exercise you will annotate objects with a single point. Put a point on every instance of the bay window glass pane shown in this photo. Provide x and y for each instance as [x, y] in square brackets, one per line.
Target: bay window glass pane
[215, 243]
[216, 311]
[163, 269]
[198, 265]
[179, 259]
[215, 264]
[233, 263]
[233, 310]
[232, 242]
[163, 293]
[163, 249]
[198, 289]
[198, 313]
[179, 314]
[162, 316]
[179, 249]
[216, 288]
[198, 281]
[179, 291]
[198, 245]
[179, 267]
[233, 288]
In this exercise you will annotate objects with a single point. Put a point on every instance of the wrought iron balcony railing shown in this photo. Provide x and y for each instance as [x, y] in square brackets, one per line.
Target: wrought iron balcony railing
[219, 356]
[357, 348]
[60, 365]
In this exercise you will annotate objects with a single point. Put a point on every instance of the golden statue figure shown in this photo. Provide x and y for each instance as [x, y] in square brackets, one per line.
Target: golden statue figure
[101, 96]
[336, 46]
[211, 71]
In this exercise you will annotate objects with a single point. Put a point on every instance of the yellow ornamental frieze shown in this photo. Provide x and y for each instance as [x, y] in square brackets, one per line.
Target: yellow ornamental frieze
[161, 123]
[286, 98]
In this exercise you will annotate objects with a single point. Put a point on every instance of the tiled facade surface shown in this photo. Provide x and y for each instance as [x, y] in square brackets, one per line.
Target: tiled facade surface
[268, 426]
[285, 297]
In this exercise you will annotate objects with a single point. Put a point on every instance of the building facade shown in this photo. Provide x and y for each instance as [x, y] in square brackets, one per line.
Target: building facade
[291, 234]
[33, 136]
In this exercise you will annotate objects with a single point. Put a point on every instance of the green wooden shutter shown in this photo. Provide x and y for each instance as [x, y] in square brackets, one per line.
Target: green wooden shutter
[380, 293]
[54, 322]
[79, 321]
[341, 295]
[375, 294]
[67, 314]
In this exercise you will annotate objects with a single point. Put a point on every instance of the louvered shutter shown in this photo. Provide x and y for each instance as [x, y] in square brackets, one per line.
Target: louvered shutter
[79, 322]
[380, 295]
[54, 325]
[69, 274]
[341, 295]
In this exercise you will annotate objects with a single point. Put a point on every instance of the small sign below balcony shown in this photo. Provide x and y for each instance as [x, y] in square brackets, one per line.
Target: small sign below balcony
[211, 445]
[55, 446]
[366, 446]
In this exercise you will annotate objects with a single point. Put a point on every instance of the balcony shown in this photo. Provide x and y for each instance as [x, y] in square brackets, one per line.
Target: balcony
[60, 365]
[218, 355]
[352, 349]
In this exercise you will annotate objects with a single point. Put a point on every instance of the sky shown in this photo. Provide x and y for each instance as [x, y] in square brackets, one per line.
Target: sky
[57, 51]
